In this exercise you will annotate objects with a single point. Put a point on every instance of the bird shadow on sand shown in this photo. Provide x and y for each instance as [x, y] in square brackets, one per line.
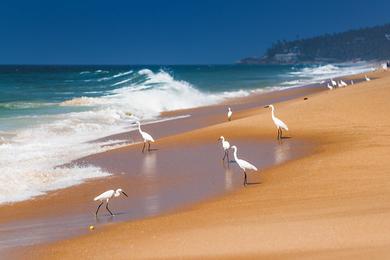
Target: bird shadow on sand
[151, 150]
[105, 217]
[283, 138]
[253, 183]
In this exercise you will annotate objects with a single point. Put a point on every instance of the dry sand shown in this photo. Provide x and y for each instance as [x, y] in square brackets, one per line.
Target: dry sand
[334, 203]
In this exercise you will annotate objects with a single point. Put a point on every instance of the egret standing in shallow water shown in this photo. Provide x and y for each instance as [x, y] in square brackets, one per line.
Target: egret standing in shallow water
[225, 146]
[244, 165]
[278, 123]
[367, 78]
[106, 196]
[147, 137]
[329, 87]
[229, 114]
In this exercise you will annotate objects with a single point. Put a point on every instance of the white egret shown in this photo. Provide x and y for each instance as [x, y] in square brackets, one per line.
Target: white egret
[334, 84]
[278, 123]
[229, 114]
[352, 82]
[147, 137]
[367, 78]
[339, 85]
[106, 196]
[343, 83]
[244, 165]
[329, 87]
[225, 146]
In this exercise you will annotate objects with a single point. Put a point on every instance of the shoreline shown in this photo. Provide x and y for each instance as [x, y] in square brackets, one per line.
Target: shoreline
[25, 213]
[245, 117]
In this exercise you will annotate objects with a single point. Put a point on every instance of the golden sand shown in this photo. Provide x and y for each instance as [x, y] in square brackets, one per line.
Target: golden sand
[334, 203]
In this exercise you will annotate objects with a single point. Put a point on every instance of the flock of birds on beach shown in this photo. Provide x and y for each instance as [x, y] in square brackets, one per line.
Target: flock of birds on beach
[332, 84]
[244, 165]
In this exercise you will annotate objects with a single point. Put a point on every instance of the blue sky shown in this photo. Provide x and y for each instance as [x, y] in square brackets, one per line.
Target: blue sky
[168, 32]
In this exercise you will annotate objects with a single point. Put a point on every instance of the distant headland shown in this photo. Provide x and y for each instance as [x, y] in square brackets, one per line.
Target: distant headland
[372, 43]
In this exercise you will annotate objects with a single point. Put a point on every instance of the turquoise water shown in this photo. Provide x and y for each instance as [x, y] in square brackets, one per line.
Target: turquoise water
[37, 90]
[48, 114]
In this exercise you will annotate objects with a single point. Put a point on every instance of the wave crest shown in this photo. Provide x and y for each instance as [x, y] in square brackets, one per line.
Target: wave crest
[150, 93]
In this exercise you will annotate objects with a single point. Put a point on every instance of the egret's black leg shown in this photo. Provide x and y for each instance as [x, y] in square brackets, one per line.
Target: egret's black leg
[143, 148]
[281, 133]
[245, 179]
[98, 208]
[149, 147]
[227, 155]
[109, 209]
[224, 155]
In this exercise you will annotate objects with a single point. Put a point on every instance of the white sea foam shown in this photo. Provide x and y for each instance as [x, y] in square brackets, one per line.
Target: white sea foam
[121, 82]
[29, 156]
[155, 93]
[121, 74]
[20, 186]
[101, 71]
[316, 74]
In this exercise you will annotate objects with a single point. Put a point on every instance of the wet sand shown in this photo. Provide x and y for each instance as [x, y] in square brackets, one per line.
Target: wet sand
[180, 173]
[158, 182]
[332, 204]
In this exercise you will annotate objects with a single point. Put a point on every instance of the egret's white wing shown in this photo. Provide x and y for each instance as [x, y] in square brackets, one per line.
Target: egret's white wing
[105, 195]
[225, 145]
[147, 137]
[246, 165]
[280, 123]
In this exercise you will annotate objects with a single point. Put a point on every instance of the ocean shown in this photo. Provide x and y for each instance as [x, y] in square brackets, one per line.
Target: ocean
[50, 114]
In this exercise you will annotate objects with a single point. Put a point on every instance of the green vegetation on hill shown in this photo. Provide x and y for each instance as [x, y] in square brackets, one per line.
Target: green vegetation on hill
[362, 44]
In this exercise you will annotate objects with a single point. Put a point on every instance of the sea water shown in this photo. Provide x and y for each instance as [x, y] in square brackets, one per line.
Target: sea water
[50, 114]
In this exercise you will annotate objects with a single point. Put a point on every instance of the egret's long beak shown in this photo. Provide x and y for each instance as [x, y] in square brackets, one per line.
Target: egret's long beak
[124, 194]
[266, 106]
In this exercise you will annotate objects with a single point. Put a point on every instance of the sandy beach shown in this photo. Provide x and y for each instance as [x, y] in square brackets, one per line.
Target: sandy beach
[332, 201]
[156, 182]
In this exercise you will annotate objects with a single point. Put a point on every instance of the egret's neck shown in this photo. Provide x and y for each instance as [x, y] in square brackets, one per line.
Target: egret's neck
[272, 112]
[139, 128]
[223, 139]
[117, 194]
[235, 154]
